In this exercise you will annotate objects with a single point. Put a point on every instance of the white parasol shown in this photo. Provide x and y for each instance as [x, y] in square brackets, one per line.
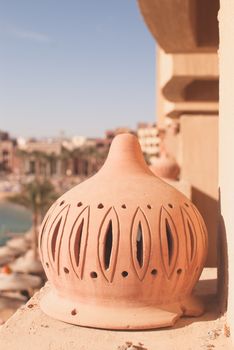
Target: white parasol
[18, 244]
[27, 264]
[18, 281]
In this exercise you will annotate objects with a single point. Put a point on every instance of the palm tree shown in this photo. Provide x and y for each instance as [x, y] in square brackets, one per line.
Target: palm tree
[36, 196]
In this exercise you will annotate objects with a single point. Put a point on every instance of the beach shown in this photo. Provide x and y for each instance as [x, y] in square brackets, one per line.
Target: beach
[14, 219]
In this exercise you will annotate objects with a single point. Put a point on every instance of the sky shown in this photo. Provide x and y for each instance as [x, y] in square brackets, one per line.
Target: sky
[74, 67]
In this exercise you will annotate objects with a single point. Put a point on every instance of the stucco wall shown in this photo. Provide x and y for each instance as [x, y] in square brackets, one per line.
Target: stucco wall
[226, 149]
[199, 145]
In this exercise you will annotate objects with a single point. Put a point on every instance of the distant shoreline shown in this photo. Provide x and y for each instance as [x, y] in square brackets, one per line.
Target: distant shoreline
[15, 219]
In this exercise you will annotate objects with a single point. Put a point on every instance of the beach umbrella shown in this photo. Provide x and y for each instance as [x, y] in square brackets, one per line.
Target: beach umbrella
[18, 281]
[16, 295]
[18, 244]
[27, 264]
[6, 255]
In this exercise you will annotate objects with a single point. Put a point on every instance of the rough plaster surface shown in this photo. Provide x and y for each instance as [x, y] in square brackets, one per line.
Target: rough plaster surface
[31, 329]
[199, 141]
[226, 141]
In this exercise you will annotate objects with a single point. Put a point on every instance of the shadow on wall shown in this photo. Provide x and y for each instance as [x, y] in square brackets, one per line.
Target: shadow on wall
[209, 208]
[217, 255]
[222, 263]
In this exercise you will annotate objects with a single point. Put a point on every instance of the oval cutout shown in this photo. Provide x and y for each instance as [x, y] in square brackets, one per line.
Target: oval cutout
[139, 245]
[170, 242]
[108, 246]
[54, 238]
[78, 239]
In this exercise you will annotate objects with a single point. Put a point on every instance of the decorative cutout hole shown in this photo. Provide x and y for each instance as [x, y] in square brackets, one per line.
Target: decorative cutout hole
[78, 242]
[179, 271]
[73, 312]
[108, 246]
[100, 206]
[124, 274]
[170, 243]
[139, 245]
[149, 206]
[154, 272]
[191, 240]
[186, 204]
[170, 205]
[54, 238]
[43, 229]
[62, 203]
[47, 264]
[79, 204]
[123, 206]
[65, 269]
[93, 274]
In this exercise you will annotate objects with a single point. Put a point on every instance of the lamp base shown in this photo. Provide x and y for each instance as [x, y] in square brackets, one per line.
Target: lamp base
[121, 317]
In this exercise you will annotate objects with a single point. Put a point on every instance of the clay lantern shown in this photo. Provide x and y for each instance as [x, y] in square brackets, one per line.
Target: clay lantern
[165, 166]
[123, 249]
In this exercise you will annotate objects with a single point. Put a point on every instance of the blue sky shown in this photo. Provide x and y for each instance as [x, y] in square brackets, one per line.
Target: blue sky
[75, 66]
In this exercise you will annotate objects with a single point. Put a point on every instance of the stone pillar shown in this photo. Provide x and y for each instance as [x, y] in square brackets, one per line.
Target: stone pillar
[199, 140]
[186, 32]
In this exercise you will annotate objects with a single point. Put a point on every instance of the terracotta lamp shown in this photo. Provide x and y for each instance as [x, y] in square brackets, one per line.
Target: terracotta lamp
[165, 166]
[122, 250]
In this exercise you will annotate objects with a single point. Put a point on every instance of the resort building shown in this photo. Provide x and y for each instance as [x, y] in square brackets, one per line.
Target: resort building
[149, 138]
[7, 153]
[58, 158]
[187, 94]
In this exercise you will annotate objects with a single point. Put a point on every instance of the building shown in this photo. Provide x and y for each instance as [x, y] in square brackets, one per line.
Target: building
[187, 94]
[60, 158]
[149, 138]
[40, 158]
[191, 83]
[7, 153]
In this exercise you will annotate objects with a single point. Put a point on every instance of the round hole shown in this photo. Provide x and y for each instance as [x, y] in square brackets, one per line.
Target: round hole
[154, 272]
[170, 205]
[124, 274]
[93, 274]
[179, 271]
[47, 265]
[30, 306]
[149, 206]
[124, 206]
[62, 203]
[79, 204]
[186, 204]
[73, 312]
[66, 270]
[100, 206]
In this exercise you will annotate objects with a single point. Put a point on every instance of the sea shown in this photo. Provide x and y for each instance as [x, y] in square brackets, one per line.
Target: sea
[14, 220]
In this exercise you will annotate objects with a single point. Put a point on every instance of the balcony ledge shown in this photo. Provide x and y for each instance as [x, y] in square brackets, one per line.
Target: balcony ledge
[30, 328]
